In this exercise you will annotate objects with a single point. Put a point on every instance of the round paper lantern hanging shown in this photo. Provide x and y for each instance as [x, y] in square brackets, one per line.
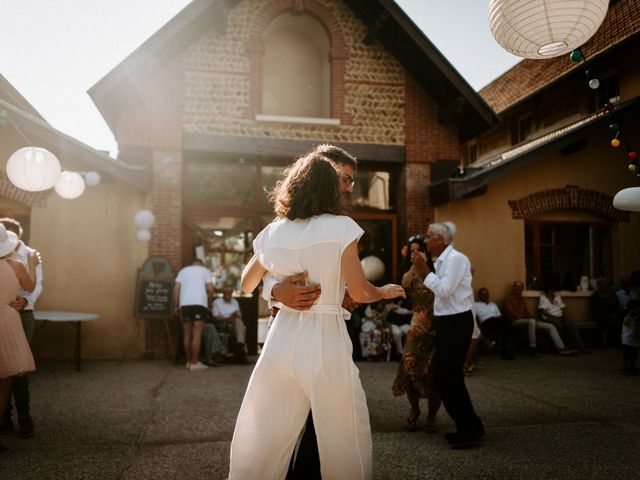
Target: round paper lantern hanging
[628, 199]
[144, 219]
[541, 29]
[33, 169]
[70, 185]
[373, 268]
[144, 235]
[92, 178]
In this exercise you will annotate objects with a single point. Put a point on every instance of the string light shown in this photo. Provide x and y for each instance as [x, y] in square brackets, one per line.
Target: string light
[618, 139]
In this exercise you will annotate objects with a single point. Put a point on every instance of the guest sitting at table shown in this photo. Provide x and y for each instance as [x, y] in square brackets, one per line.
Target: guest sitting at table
[15, 355]
[552, 311]
[226, 310]
[492, 323]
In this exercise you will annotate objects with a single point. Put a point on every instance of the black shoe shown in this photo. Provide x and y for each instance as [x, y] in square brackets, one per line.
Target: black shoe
[533, 353]
[584, 351]
[459, 441]
[567, 353]
[25, 424]
[507, 356]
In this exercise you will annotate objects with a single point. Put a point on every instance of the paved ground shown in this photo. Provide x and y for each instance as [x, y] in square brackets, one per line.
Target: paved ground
[548, 418]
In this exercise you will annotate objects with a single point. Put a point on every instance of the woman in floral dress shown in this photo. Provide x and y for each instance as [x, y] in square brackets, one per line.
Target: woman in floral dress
[414, 372]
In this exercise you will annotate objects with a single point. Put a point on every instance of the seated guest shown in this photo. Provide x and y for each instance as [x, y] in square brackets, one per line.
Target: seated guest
[516, 311]
[605, 309]
[399, 319]
[375, 333]
[492, 323]
[552, 311]
[225, 310]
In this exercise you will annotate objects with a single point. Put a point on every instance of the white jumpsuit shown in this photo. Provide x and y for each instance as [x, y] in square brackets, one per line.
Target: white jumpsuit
[305, 363]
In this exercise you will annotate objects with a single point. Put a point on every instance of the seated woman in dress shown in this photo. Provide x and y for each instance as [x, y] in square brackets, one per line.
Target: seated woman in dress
[306, 360]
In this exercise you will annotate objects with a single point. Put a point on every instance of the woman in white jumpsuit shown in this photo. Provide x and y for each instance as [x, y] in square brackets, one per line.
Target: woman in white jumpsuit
[306, 360]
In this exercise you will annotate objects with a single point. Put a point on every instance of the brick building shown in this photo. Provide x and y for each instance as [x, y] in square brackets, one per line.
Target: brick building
[227, 93]
[534, 201]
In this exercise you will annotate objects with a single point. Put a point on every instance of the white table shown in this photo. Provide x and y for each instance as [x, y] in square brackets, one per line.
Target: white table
[76, 317]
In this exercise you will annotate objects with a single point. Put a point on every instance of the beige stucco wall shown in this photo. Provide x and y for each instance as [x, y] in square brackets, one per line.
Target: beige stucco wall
[494, 241]
[90, 259]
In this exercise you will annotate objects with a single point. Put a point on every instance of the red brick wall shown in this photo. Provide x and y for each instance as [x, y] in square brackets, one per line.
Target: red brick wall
[155, 120]
[426, 140]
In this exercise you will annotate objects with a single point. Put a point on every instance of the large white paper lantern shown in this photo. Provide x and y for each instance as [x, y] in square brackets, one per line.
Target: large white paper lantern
[373, 268]
[628, 199]
[144, 219]
[70, 185]
[33, 169]
[541, 29]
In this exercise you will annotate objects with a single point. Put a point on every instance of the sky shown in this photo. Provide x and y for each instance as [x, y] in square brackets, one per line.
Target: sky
[52, 52]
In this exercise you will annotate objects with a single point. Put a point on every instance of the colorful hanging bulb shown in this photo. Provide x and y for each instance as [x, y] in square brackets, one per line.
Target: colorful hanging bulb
[633, 155]
[615, 143]
[632, 167]
[614, 127]
[576, 55]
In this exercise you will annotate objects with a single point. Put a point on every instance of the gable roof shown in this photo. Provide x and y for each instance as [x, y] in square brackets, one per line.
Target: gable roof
[530, 76]
[385, 20]
[13, 96]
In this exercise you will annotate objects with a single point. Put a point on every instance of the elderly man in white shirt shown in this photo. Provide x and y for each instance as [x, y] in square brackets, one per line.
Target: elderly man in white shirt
[451, 284]
[24, 303]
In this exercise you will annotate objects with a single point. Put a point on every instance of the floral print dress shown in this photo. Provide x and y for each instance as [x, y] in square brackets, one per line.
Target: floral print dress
[415, 367]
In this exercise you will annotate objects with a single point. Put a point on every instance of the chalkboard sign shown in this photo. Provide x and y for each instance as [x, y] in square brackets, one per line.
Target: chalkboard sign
[154, 292]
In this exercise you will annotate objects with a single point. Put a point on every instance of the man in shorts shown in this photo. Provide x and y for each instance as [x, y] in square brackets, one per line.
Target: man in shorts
[192, 295]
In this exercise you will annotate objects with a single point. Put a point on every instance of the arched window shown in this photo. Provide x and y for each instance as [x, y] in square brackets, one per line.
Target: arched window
[296, 70]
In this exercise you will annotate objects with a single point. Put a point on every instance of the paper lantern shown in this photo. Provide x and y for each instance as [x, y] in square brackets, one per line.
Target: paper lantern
[92, 178]
[628, 199]
[541, 29]
[373, 268]
[144, 235]
[144, 219]
[33, 169]
[70, 185]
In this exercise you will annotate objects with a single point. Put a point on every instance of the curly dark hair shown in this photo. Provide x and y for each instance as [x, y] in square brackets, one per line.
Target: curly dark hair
[307, 188]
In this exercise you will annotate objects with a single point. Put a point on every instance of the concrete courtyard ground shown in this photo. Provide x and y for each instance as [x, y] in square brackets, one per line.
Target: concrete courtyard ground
[548, 418]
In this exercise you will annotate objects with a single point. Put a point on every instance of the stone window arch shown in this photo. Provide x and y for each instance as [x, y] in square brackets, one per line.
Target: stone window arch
[317, 31]
[569, 197]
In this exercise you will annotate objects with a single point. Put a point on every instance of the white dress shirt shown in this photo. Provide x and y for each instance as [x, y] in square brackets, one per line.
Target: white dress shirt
[451, 283]
[22, 255]
[552, 309]
[486, 310]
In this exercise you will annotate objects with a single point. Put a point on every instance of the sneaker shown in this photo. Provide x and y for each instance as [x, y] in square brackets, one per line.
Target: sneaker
[568, 353]
[195, 367]
[459, 441]
[6, 427]
[25, 426]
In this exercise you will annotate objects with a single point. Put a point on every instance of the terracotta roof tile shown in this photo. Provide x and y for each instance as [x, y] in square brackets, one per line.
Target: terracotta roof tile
[528, 76]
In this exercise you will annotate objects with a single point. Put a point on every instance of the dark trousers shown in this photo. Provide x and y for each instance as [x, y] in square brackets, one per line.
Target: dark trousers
[500, 328]
[20, 385]
[305, 463]
[452, 343]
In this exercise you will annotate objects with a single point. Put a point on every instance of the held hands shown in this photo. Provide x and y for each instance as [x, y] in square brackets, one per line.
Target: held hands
[19, 303]
[419, 261]
[294, 294]
[391, 290]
